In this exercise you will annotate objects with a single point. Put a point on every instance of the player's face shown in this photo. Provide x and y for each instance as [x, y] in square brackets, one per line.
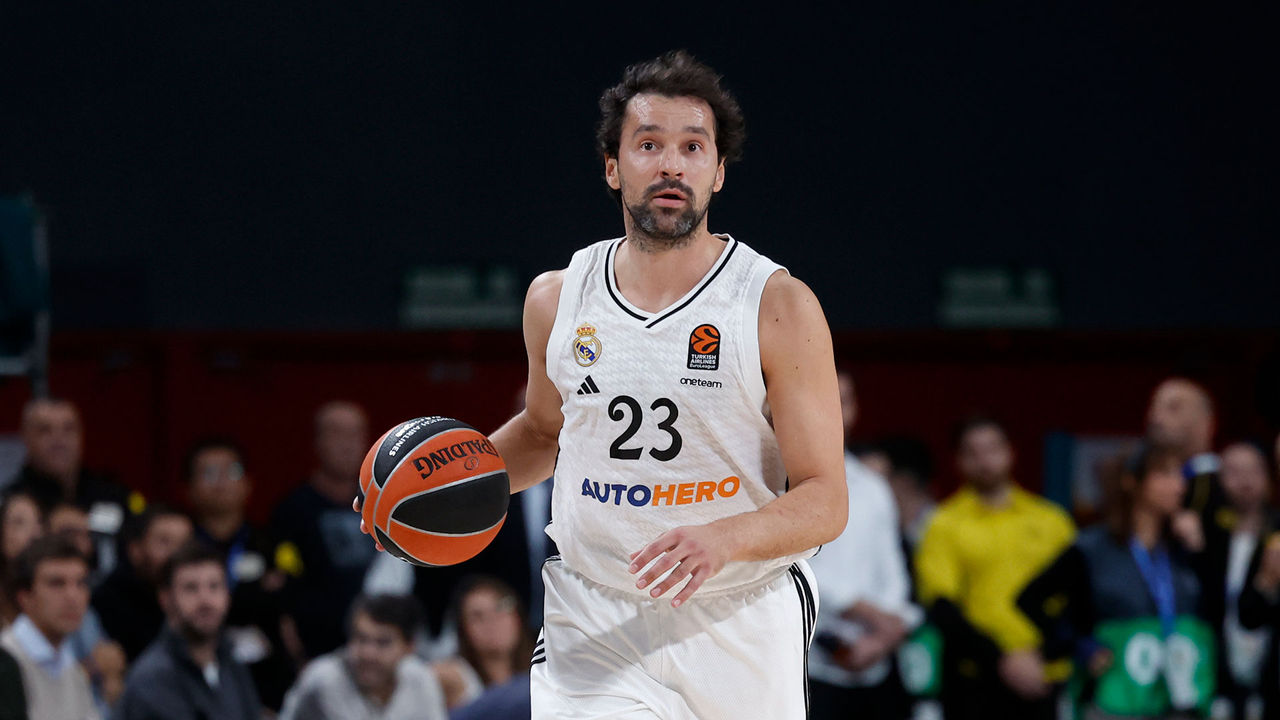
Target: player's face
[667, 166]
[58, 598]
[986, 458]
[375, 651]
[197, 602]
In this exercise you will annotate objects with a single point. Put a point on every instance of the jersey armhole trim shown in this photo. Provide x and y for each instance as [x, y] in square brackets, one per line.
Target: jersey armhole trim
[570, 288]
[749, 350]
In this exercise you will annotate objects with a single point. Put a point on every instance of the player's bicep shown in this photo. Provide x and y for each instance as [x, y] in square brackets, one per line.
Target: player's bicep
[800, 381]
[542, 399]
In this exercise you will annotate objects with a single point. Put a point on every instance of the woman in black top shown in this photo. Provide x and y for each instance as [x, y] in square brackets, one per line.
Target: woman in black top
[1130, 568]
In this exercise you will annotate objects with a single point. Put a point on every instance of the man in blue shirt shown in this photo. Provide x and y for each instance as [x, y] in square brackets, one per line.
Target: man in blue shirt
[52, 580]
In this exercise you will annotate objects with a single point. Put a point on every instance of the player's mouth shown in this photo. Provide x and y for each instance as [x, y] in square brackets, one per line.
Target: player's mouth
[669, 198]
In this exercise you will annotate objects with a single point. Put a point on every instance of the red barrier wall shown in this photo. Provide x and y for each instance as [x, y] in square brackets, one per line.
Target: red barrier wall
[147, 397]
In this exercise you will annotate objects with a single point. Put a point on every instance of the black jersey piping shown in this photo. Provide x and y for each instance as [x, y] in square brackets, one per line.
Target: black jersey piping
[608, 283]
[809, 616]
[704, 286]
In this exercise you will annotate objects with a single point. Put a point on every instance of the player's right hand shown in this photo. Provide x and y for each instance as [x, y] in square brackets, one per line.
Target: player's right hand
[696, 552]
[364, 528]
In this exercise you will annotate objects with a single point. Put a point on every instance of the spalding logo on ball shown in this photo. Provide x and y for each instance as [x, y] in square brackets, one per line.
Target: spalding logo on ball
[435, 491]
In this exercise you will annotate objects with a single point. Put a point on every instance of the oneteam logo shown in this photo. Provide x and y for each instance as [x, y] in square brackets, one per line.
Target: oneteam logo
[673, 494]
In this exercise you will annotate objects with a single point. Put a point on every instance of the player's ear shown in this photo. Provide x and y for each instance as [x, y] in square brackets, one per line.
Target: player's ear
[719, 177]
[611, 172]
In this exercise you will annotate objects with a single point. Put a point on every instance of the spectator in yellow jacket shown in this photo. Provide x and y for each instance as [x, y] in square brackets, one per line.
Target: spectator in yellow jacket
[983, 546]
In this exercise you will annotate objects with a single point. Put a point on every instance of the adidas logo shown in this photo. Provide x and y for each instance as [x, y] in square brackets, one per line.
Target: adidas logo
[588, 387]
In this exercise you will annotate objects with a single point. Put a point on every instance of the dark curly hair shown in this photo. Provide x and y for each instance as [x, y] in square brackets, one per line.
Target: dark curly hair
[672, 74]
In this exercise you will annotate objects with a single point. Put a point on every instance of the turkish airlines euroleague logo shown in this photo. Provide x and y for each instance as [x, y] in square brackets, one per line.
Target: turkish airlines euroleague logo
[704, 348]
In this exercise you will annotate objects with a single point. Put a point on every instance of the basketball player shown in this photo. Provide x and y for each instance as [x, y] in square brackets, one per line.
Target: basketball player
[682, 390]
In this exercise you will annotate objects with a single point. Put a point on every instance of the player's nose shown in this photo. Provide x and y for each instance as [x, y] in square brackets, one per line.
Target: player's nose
[671, 163]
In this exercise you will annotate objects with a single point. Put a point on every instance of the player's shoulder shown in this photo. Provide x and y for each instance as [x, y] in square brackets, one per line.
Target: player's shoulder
[542, 299]
[790, 318]
[543, 295]
[786, 294]
[545, 288]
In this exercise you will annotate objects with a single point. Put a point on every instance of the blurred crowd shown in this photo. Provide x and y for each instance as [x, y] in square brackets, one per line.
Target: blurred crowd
[1162, 602]
[114, 606]
[991, 603]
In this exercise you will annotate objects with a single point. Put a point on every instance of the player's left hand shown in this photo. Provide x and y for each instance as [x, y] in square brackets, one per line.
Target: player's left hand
[364, 528]
[696, 552]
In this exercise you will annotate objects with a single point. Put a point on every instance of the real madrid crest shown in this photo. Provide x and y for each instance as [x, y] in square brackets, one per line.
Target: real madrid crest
[586, 347]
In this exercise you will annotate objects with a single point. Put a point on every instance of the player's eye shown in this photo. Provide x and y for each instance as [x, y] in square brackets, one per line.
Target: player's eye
[695, 147]
[646, 145]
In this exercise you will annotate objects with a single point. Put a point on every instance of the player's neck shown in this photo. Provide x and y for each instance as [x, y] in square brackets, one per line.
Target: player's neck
[653, 279]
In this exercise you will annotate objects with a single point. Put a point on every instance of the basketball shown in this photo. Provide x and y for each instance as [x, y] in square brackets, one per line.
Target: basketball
[434, 491]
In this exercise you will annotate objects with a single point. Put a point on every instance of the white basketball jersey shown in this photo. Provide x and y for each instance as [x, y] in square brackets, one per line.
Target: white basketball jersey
[664, 414]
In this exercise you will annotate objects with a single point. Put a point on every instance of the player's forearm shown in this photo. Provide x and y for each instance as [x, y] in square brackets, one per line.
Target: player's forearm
[530, 453]
[810, 514]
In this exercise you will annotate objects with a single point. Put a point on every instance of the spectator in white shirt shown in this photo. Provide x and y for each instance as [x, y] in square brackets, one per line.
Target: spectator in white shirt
[376, 675]
[864, 605]
[52, 582]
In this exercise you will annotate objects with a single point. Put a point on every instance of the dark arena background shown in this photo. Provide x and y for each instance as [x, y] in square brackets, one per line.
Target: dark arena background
[215, 218]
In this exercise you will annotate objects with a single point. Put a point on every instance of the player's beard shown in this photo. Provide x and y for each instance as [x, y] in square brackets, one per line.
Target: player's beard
[660, 229]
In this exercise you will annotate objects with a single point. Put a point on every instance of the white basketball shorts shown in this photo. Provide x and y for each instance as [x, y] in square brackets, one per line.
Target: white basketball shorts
[739, 654]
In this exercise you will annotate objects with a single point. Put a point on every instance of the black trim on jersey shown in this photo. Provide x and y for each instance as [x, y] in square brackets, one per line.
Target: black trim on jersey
[683, 305]
[808, 613]
[608, 283]
[539, 650]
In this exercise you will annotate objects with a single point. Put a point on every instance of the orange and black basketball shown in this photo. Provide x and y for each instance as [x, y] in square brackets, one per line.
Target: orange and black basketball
[434, 491]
